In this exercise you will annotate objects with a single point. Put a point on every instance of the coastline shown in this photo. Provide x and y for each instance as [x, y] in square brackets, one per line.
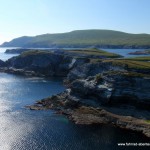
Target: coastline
[83, 114]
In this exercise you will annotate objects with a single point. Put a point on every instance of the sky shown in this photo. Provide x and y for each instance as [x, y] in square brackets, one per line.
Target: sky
[35, 17]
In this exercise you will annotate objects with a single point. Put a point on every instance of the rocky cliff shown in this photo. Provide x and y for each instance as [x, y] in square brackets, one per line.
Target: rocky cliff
[44, 63]
[99, 90]
[2, 63]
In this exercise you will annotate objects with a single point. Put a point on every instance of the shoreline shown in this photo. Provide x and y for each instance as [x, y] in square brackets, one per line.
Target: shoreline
[87, 115]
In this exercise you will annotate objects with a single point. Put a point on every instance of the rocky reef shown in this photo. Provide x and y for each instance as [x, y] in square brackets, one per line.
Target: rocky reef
[101, 89]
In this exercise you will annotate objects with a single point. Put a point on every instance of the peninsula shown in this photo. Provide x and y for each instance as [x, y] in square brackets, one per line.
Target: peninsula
[102, 87]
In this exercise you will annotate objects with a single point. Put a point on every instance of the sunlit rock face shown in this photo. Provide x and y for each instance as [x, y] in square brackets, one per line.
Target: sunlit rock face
[114, 89]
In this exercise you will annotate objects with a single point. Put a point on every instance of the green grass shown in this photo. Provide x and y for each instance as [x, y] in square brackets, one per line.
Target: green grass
[148, 121]
[34, 52]
[130, 63]
[127, 74]
[83, 38]
[145, 58]
[95, 52]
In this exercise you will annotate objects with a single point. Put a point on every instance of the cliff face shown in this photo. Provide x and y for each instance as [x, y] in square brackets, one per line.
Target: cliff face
[2, 63]
[114, 89]
[99, 91]
[107, 83]
[45, 63]
[91, 69]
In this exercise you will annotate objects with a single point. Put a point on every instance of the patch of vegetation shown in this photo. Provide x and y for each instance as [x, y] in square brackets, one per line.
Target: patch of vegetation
[34, 52]
[130, 63]
[145, 58]
[147, 121]
[98, 78]
[95, 60]
[88, 110]
[95, 52]
[127, 74]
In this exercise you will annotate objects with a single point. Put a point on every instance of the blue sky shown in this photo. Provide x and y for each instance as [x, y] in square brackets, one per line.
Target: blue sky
[33, 17]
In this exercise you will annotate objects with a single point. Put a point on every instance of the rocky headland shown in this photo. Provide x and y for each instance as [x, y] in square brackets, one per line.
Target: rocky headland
[102, 88]
[2, 63]
[145, 52]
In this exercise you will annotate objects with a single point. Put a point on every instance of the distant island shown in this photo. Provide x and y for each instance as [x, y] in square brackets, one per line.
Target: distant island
[83, 39]
[145, 52]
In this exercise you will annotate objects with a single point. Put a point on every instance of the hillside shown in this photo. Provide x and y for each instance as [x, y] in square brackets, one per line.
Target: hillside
[84, 38]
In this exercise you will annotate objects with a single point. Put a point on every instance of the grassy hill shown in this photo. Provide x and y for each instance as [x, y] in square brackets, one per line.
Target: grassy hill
[84, 38]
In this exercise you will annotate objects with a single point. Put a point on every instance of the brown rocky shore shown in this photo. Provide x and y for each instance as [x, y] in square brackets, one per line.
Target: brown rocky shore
[80, 113]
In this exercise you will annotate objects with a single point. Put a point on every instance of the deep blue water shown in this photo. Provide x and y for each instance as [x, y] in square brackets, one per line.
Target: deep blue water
[22, 129]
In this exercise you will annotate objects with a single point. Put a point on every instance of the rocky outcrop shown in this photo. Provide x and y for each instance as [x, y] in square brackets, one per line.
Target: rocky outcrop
[16, 51]
[99, 92]
[81, 113]
[91, 69]
[115, 88]
[2, 63]
[144, 52]
[21, 50]
[119, 98]
[102, 82]
[44, 63]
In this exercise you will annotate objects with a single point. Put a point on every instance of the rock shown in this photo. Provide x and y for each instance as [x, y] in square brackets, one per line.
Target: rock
[2, 63]
[81, 114]
[45, 63]
[90, 85]
[91, 69]
[114, 89]
[144, 52]
[16, 51]
[89, 115]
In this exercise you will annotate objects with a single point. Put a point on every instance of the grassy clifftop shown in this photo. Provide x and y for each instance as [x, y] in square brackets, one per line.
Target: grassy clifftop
[95, 52]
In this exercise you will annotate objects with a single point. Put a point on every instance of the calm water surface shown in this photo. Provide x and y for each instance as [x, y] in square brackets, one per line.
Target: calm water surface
[22, 129]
